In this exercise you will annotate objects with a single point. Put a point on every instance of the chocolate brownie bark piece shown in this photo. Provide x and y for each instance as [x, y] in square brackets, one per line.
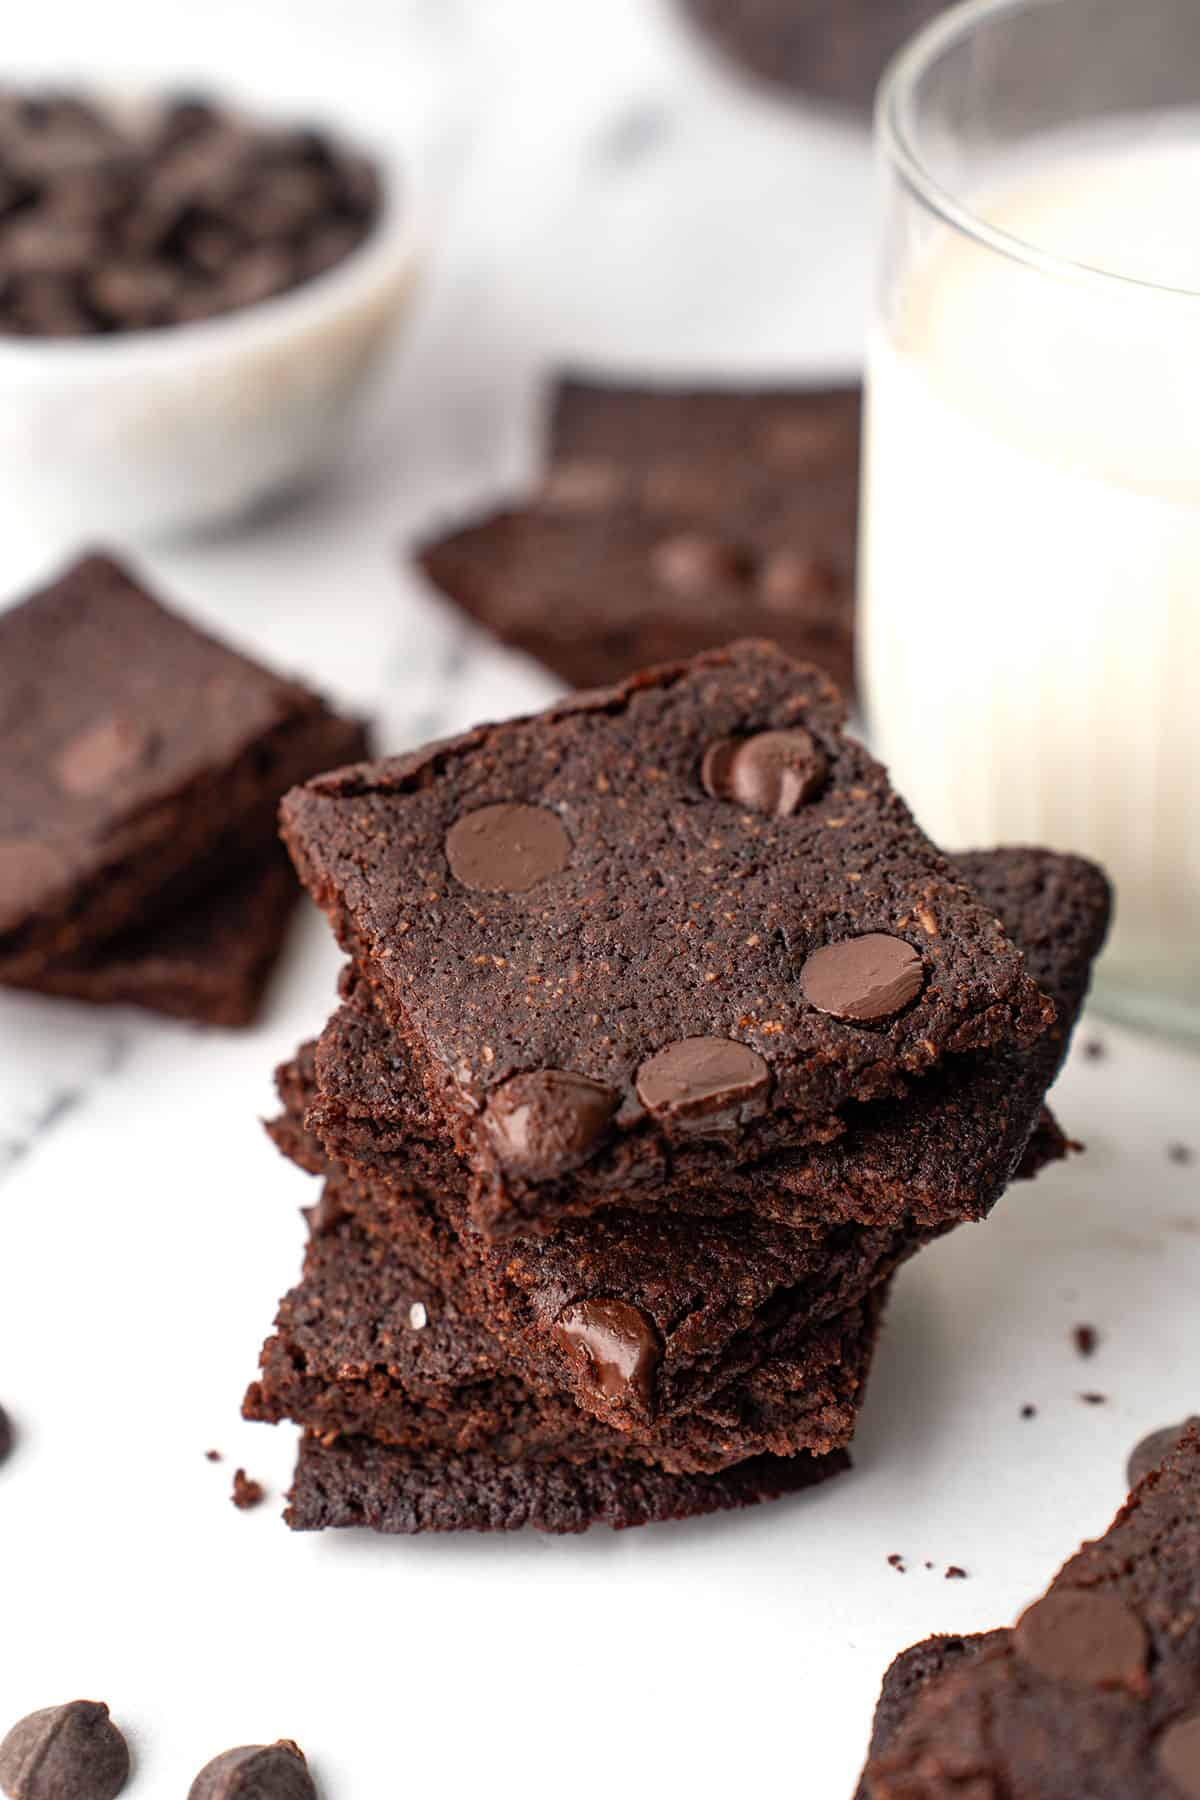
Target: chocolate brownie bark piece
[141, 759]
[209, 963]
[831, 49]
[355, 1482]
[684, 912]
[671, 521]
[909, 1676]
[943, 1154]
[1095, 1691]
[376, 1341]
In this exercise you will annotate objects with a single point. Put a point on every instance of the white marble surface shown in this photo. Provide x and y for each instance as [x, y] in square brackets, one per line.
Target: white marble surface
[609, 198]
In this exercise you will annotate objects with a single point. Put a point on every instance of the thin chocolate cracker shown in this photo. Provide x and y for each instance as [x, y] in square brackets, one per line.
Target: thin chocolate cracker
[355, 1482]
[1095, 1690]
[613, 909]
[671, 521]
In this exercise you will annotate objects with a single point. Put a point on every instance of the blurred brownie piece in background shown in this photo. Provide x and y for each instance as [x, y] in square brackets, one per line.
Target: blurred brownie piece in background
[831, 49]
[143, 762]
[671, 521]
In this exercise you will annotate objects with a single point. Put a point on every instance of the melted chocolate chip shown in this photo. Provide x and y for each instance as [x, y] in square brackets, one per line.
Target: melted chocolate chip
[1084, 1635]
[1153, 1450]
[863, 978]
[97, 757]
[71, 1752]
[507, 849]
[773, 772]
[1179, 1755]
[702, 1082]
[548, 1121]
[614, 1345]
[256, 1772]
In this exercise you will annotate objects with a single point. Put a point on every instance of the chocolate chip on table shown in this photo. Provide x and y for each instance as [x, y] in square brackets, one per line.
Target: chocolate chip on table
[1154, 1449]
[507, 849]
[246, 1493]
[772, 772]
[864, 978]
[71, 1752]
[1086, 1339]
[702, 1083]
[1179, 1755]
[614, 1343]
[548, 1121]
[1085, 1635]
[256, 1772]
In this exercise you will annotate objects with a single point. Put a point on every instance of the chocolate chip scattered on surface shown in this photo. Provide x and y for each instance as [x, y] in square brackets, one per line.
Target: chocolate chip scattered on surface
[71, 1752]
[256, 1772]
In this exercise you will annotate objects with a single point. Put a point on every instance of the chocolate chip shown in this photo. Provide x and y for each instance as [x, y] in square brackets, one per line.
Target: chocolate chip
[1153, 1450]
[1084, 1635]
[1179, 1755]
[548, 1121]
[692, 565]
[507, 849]
[7, 1436]
[1086, 1339]
[95, 758]
[246, 1493]
[702, 1082]
[772, 772]
[614, 1345]
[256, 1772]
[28, 868]
[71, 1752]
[863, 978]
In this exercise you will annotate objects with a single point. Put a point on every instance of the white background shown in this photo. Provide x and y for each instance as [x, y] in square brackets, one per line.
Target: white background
[604, 195]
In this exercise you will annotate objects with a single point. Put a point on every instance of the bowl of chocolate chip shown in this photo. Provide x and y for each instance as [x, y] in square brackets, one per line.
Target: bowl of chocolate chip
[192, 300]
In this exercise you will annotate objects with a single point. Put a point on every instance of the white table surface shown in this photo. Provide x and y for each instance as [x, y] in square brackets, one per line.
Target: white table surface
[613, 200]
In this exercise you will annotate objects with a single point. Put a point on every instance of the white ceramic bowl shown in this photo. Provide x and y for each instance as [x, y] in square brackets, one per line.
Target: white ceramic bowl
[149, 433]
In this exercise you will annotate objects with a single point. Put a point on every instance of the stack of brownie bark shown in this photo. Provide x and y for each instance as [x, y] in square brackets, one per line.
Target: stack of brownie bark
[665, 1038]
[143, 763]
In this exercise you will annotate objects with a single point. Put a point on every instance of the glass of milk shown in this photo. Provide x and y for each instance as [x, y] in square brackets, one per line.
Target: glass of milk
[1030, 607]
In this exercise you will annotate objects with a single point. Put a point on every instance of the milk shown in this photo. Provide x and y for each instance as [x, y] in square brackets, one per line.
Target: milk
[1030, 635]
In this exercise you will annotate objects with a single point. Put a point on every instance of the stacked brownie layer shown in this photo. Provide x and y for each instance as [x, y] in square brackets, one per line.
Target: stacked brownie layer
[666, 1039]
[143, 764]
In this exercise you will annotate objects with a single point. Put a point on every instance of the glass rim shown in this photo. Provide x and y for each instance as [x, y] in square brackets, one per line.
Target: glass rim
[894, 135]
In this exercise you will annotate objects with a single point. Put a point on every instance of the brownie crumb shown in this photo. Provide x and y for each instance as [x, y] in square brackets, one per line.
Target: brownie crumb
[1180, 1153]
[896, 1561]
[1095, 1050]
[1094, 1399]
[213, 1456]
[1086, 1339]
[6, 1435]
[1029, 1411]
[954, 1573]
[247, 1493]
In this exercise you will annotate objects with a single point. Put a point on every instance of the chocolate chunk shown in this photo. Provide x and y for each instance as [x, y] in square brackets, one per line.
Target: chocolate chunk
[246, 1493]
[6, 1435]
[71, 1752]
[692, 564]
[548, 1121]
[616, 1344]
[1179, 1755]
[863, 978]
[507, 849]
[256, 1772]
[99, 755]
[773, 772]
[1084, 1635]
[1153, 1450]
[702, 1082]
